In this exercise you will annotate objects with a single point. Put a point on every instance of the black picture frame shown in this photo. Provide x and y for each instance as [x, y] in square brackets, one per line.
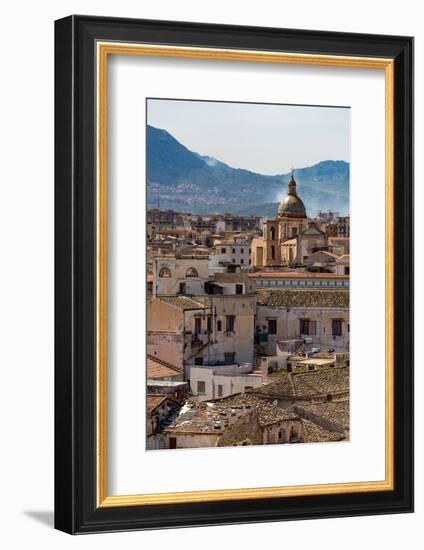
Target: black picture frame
[76, 510]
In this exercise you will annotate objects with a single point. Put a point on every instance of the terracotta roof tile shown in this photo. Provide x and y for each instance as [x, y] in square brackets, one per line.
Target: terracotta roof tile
[303, 298]
[215, 416]
[312, 433]
[186, 302]
[322, 382]
[334, 411]
[160, 369]
[325, 381]
[154, 401]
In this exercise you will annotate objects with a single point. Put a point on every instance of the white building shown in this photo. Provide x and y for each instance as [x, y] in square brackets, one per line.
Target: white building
[216, 381]
[236, 250]
[343, 265]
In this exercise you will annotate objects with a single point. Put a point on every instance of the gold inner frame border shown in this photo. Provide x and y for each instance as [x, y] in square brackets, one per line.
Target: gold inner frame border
[103, 50]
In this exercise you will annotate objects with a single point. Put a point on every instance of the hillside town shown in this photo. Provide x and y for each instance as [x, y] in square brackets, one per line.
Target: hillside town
[247, 327]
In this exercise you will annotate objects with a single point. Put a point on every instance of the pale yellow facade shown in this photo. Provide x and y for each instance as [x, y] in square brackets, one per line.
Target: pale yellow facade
[220, 329]
[323, 323]
[172, 276]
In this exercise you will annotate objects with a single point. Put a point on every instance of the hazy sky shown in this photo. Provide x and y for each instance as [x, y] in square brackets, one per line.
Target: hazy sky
[269, 139]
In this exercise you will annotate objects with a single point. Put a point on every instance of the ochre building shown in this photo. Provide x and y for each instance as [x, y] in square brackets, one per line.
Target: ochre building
[287, 239]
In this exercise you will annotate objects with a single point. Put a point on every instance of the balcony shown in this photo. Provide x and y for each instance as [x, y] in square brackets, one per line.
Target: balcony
[200, 339]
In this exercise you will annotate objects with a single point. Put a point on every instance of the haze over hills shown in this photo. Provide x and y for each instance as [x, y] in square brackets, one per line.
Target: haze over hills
[183, 180]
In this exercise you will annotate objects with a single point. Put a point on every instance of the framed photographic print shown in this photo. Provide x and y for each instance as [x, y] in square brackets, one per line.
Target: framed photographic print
[233, 274]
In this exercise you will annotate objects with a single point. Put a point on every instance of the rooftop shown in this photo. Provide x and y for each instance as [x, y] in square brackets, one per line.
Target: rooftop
[153, 401]
[334, 411]
[181, 257]
[186, 302]
[317, 361]
[312, 433]
[326, 381]
[166, 383]
[241, 241]
[323, 355]
[283, 387]
[216, 416]
[325, 252]
[269, 413]
[156, 368]
[303, 298]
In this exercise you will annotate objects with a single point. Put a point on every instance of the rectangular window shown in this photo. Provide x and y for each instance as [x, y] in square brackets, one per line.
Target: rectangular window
[229, 357]
[197, 325]
[272, 326]
[336, 326]
[239, 289]
[223, 250]
[198, 361]
[219, 326]
[201, 387]
[220, 392]
[209, 323]
[308, 327]
[234, 250]
[304, 326]
[182, 288]
[347, 270]
[241, 250]
[242, 261]
[229, 323]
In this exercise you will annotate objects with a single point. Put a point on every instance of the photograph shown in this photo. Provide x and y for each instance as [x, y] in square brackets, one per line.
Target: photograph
[247, 273]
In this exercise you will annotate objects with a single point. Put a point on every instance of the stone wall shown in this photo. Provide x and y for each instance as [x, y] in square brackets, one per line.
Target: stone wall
[285, 431]
[245, 431]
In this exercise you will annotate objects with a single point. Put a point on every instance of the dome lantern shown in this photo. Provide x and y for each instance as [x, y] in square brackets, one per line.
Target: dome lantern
[292, 206]
[292, 185]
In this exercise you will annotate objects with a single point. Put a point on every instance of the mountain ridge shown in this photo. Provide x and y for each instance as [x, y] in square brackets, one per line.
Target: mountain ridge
[185, 180]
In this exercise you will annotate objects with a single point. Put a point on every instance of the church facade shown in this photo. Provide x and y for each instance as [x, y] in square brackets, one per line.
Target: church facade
[287, 239]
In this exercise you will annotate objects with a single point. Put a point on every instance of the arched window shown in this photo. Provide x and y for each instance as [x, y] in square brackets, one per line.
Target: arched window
[272, 252]
[191, 272]
[272, 233]
[164, 272]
